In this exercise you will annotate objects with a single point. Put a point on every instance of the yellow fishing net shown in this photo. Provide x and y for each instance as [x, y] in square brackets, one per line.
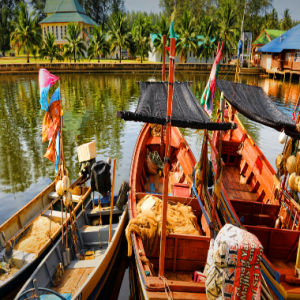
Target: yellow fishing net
[37, 235]
[180, 219]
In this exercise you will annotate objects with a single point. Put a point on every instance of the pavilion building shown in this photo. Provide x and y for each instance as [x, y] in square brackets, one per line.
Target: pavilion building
[60, 13]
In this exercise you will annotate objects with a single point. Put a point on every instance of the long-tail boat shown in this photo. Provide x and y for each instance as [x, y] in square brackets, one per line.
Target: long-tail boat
[98, 234]
[16, 234]
[251, 193]
[168, 271]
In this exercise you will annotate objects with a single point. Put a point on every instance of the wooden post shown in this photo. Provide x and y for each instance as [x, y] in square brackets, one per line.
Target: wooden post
[112, 200]
[164, 58]
[213, 214]
[162, 148]
[167, 161]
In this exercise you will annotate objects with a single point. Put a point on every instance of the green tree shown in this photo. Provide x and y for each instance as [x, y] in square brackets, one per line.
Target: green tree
[141, 35]
[7, 14]
[98, 45]
[50, 49]
[286, 21]
[228, 26]
[119, 36]
[162, 28]
[206, 38]
[187, 40]
[28, 33]
[75, 47]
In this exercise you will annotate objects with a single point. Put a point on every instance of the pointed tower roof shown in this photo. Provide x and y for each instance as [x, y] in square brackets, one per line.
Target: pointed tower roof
[53, 6]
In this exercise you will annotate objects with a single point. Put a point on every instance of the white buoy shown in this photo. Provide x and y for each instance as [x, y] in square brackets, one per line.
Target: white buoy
[282, 137]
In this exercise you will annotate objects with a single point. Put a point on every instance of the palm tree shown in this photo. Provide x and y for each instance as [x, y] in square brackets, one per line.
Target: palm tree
[228, 25]
[273, 19]
[119, 37]
[162, 29]
[206, 40]
[187, 36]
[99, 45]
[141, 35]
[286, 21]
[50, 49]
[75, 47]
[28, 33]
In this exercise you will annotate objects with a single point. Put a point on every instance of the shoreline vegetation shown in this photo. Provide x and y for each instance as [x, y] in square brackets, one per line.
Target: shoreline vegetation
[200, 26]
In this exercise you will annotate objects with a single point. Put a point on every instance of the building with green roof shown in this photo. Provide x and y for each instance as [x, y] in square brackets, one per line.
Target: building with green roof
[60, 13]
[266, 36]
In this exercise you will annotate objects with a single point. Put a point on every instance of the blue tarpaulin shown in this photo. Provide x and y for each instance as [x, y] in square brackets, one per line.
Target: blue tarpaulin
[290, 40]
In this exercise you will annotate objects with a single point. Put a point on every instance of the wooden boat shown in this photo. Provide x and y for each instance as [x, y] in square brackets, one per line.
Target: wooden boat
[251, 198]
[185, 253]
[87, 272]
[46, 204]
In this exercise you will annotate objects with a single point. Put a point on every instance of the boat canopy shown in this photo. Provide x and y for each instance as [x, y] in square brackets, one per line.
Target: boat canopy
[255, 104]
[187, 111]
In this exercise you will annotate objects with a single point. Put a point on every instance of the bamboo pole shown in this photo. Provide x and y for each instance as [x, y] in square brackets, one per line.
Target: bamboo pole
[167, 162]
[112, 200]
[162, 149]
[164, 58]
[213, 215]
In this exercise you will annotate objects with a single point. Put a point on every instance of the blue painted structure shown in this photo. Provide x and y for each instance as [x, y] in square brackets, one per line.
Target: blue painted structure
[290, 40]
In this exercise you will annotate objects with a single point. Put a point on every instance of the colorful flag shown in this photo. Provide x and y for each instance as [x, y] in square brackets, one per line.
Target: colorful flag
[52, 118]
[172, 31]
[209, 92]
[46, 80]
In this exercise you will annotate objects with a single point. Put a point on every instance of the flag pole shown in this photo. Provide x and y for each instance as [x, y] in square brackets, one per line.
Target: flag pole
[167, 160]
[162, 149]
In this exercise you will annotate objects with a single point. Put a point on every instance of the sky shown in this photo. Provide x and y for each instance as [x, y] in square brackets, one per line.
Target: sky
[153, 5]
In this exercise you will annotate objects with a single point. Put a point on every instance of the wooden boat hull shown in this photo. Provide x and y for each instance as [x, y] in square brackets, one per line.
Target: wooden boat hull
[93, 277]
[248, 199]
[25, 217]
[184, 256]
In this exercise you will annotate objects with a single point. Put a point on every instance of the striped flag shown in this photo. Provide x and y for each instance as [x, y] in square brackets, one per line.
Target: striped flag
[172, 31]
[209, 92]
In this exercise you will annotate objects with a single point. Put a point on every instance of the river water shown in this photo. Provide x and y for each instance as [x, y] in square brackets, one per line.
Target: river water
[90, 102]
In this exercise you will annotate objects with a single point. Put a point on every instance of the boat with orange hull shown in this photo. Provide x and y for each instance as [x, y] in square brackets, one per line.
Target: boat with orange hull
[184, 253]
[252, 197]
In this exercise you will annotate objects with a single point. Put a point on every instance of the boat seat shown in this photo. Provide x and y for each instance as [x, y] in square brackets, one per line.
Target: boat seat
[90, 235]
[75, 198]
[55, 215]
[105, 212]
[20, 257]
[82, 264]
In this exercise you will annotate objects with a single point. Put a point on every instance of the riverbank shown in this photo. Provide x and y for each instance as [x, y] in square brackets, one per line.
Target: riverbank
[117, 67]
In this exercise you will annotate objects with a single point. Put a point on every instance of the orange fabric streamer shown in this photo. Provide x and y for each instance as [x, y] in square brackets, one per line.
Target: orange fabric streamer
[51, 126]
[51, 121]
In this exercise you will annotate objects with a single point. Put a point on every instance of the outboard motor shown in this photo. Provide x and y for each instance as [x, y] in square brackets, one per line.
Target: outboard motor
[100, 177]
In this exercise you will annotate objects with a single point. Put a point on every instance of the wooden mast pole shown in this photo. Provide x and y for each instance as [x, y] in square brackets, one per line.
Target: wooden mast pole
[167, 160]
[213, 214]
[162, 148]
[164, 58]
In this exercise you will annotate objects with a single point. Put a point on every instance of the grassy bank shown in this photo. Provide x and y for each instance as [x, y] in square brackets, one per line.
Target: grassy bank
[23, 60]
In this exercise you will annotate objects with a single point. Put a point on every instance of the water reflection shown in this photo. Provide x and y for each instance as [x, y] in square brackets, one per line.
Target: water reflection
[90, 102]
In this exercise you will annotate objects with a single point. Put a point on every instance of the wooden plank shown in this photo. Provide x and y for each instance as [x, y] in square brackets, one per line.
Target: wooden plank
[237, 186]
[241, 195]
[84, 277]
[181, 265]
[176, 296]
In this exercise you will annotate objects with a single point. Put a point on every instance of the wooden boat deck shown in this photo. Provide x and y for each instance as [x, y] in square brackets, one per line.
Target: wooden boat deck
[236, 186]
[72, 280]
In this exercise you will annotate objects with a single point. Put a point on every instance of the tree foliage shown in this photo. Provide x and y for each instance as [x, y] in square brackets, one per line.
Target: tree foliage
[75, 47]
[50, 49]
[27, 33]
[162, 28]
[98, 45]
[8, 12]
[141, 35]
[119, 34]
